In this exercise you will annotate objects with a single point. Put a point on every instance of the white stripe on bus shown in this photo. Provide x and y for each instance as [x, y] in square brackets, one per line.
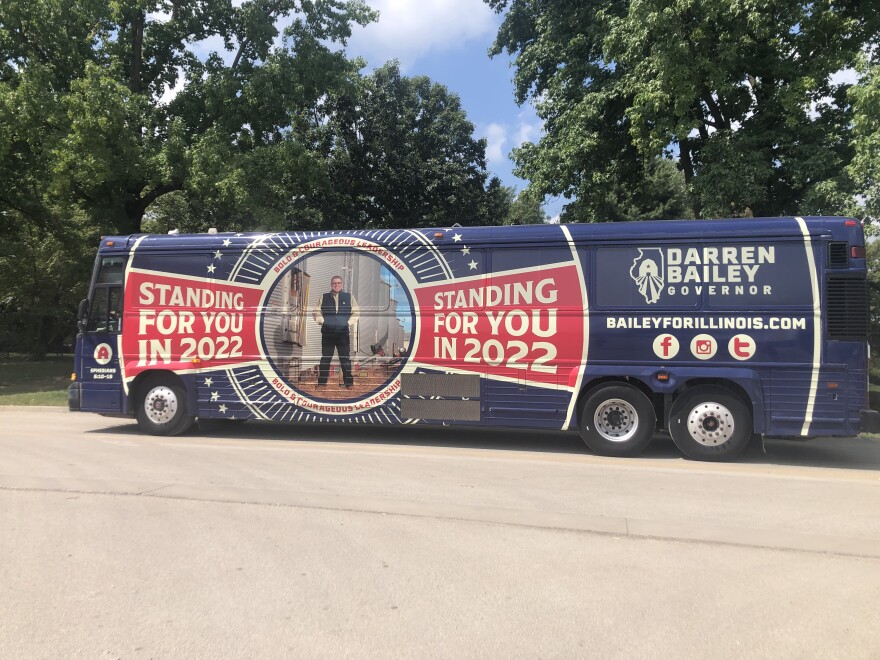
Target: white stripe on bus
[817, 327]
[577, 386]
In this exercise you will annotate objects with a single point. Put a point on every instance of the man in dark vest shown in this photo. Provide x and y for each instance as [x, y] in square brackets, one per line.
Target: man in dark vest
[337, 313]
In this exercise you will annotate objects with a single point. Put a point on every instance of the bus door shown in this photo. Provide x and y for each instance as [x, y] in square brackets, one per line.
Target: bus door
[524, 349]
[98, 344]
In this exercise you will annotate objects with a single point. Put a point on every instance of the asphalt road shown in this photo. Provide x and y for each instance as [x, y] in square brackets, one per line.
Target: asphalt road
[342, 541]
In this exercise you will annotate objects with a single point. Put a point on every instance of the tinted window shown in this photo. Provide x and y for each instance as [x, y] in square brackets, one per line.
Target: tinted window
[111, 271]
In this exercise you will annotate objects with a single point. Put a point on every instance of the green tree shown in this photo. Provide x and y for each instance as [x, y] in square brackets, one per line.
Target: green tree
[90, 137]
[873, 260]
[865, 166]
[659, 194]
[111, 143]
[526, 210]
[741, 92]
[499, 199]
[400, 153]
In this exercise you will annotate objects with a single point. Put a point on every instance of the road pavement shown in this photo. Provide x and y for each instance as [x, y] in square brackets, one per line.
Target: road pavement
[342, 541]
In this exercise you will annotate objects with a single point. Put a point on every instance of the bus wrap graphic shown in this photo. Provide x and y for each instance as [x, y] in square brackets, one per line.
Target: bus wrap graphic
[517, 326]
[647, 272]
[256, 325]
[540, 327]
[182, 323]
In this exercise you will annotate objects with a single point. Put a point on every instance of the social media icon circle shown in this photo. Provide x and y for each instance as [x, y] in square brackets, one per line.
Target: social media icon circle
[103, 354]
[704, 347]
[666, 347]
[741, 347]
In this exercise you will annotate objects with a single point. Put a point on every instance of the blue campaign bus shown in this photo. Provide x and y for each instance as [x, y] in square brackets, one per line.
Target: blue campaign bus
[713, 330]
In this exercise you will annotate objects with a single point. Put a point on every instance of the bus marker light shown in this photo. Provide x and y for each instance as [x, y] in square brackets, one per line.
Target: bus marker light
[831, 386]
[857, 252]
[73, 376]
[850, 223]
[662, 376]
[438, 234]
[197, 361]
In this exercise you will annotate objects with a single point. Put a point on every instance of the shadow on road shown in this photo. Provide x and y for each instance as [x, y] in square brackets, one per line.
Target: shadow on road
[861, 453]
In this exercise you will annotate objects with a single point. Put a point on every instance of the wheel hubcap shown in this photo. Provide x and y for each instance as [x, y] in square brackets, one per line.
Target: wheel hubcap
[710, 424]
[160, 404]
[616, 420]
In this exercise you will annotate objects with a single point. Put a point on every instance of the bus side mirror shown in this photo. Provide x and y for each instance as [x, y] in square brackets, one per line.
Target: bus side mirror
[82, 315]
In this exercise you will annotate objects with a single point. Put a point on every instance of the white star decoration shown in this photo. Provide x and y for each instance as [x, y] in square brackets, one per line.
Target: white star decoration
[211, 268]
[223, 408]
[218, 254]
[465, 250]
[215, 396]
[473, 265]
[208, 382]
[226, 242]
[456, 237]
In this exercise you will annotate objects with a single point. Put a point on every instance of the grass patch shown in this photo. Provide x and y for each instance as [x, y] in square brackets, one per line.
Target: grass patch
[26, 382]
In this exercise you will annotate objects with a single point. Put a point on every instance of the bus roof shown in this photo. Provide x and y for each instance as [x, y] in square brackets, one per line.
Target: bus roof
[650, 230]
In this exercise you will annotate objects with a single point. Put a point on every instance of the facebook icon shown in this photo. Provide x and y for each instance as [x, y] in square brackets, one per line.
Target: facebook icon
[665, 347]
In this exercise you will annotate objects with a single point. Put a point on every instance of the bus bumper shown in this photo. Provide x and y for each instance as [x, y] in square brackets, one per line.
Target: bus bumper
[870, 421]
[74, 397]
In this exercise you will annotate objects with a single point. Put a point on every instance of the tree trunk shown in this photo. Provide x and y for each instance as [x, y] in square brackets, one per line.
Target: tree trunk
[687, 166]
[137, 52]
[136, 207]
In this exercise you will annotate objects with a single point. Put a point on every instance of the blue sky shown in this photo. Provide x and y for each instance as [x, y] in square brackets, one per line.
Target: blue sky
[448, 41]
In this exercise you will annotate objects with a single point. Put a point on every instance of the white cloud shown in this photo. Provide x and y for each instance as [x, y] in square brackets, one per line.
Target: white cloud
[213, 44]
[496, 137]
[159, 16]
[527, 131]
[844, 76]
[501, 138]
[408, 29]
[170, 92]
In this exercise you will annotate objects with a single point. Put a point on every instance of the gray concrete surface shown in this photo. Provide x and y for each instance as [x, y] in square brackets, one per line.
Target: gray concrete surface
[334, 541]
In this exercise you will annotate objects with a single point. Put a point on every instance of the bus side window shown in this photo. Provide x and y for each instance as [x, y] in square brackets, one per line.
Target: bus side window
[112, 270]
[98, 311]
[114, 308]
[106, 307]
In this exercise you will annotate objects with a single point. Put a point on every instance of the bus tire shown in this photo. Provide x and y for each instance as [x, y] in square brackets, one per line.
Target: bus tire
[617, 420]
[162, 407]
[710, 423]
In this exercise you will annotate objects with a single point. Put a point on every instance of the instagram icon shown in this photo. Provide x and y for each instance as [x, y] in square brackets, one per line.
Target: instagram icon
[704, 347]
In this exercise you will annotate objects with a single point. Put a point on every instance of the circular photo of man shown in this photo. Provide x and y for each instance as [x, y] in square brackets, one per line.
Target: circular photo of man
[337, 325]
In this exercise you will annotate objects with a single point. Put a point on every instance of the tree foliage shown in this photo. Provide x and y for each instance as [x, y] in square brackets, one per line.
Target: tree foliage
[659, 193]
[130, 115]
[865, 166]
[742, 93]
[526, 210]
[99, 128]
[400, 153]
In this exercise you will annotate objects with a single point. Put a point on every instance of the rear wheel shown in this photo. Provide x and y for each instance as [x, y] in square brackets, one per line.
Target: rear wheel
[162, 408]
[617, 420]
[710, 424]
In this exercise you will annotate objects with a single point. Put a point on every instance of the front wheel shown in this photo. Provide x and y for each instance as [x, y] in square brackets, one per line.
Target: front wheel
[617, 420]
[710, 424]
[162, 408]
